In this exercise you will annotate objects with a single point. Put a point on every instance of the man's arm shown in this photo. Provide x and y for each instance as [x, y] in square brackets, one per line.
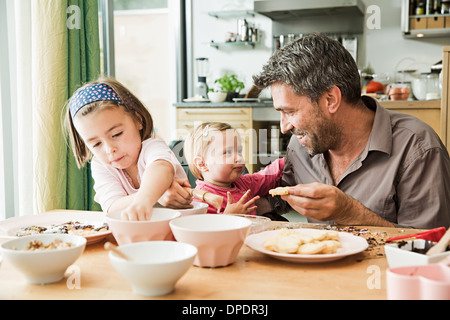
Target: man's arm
[324, 202]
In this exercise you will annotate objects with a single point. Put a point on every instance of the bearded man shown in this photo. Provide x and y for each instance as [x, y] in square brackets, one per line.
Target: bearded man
[350, 161]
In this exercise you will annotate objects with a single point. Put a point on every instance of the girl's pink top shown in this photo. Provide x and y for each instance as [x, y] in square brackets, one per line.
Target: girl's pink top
[259, 183]
[112, 184]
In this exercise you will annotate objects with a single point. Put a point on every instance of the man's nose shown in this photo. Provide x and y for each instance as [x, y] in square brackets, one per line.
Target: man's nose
[285, 125]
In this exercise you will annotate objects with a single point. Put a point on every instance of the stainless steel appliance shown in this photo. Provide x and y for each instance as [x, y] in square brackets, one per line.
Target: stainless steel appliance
[201, 88]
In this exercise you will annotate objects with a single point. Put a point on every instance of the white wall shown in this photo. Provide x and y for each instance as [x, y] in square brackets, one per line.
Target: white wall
[385, 48]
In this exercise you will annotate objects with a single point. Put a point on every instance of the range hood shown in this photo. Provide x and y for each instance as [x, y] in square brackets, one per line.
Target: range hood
[294, 9]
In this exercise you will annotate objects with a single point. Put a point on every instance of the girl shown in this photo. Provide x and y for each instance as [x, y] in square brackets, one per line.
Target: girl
[131, 168]
[214, 154]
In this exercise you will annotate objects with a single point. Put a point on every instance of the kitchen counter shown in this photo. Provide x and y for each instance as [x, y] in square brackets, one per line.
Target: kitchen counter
[267, 104]
[427, 111]
[415, 104]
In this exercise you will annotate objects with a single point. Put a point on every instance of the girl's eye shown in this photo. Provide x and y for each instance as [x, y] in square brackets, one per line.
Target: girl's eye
[117, 134]
[96, 145]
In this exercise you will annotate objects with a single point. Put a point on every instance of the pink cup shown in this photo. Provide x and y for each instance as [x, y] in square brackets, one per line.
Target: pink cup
[429, 282]
[218, 237]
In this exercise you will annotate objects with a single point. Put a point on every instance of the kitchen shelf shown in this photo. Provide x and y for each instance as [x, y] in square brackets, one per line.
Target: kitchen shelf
[416, 26]
[233, 44]
[231, 14]
[433, 15]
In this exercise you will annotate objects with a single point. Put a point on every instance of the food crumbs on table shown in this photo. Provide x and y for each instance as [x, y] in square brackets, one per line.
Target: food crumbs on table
[70, 227]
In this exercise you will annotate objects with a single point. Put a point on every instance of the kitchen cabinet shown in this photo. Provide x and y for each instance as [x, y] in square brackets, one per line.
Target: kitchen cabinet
[426, 24]
[445, 97]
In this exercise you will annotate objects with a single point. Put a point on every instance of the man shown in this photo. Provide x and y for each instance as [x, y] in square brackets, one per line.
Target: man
[350, 161]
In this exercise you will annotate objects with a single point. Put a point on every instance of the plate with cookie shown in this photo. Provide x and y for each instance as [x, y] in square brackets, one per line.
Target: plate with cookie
[306, 245]
[89, 224]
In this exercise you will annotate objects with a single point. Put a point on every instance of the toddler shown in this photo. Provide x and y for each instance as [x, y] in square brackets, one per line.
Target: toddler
[214, 154]
[131, 168]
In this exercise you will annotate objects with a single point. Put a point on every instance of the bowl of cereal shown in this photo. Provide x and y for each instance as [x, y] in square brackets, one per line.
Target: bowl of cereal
[157, 228]
[43, 258]
[218, 237]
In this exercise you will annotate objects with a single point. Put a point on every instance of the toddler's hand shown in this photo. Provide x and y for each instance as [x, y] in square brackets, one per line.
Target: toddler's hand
[242, 206]
[137, 212]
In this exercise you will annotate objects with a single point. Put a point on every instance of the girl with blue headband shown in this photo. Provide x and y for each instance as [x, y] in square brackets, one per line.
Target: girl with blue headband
[132, 169]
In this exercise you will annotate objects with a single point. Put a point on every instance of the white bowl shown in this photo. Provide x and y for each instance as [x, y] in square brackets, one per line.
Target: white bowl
[217, 96]
[43, 266]
[155, 266]
[402, 257]
[218, 237]
[157, 228]
[199, 208]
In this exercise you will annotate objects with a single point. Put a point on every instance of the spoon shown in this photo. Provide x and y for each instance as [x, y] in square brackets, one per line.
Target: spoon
[113, 248]
[441, 245]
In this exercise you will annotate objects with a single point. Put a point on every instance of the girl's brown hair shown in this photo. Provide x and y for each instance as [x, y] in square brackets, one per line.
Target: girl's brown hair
[131, 104]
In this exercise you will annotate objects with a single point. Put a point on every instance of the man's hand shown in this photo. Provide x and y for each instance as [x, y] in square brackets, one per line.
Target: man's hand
[324, 202]
[319, 201]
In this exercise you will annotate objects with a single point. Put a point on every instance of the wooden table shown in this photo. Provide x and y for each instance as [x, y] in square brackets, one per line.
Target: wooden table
[254, 276]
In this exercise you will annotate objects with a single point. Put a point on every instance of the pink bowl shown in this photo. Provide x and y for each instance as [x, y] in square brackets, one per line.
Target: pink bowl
[218, 237]
[157, 228]
[429, 282]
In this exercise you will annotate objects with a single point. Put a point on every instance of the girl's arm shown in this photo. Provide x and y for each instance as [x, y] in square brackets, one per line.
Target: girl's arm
[177, 197]
[157, 178]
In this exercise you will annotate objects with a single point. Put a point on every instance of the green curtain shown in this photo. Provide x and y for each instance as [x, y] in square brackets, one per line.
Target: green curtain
[83, 66]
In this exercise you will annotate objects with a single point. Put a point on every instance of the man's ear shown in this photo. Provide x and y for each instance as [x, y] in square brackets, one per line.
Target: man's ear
[333, 98]
[200, 164]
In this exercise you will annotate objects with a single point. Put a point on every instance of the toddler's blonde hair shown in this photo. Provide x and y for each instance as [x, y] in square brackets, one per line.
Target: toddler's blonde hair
[198, 141]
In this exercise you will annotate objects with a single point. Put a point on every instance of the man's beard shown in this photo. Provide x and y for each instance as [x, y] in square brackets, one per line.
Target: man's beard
[325, 135]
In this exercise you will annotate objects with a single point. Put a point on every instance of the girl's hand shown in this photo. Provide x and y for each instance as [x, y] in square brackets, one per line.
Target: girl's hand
[137, 212]
[242, 206]
[176, 197]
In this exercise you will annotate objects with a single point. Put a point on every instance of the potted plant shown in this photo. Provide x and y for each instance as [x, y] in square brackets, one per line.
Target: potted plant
[231, 85]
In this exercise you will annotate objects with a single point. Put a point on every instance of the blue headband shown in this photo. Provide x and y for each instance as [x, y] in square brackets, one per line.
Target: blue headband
[92, 93]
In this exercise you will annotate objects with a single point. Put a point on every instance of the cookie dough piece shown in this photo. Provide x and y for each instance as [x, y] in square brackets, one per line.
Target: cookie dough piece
[280, 191]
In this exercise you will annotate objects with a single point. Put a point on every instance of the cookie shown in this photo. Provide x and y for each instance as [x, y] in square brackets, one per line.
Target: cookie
[294, 242]
[280, 191]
